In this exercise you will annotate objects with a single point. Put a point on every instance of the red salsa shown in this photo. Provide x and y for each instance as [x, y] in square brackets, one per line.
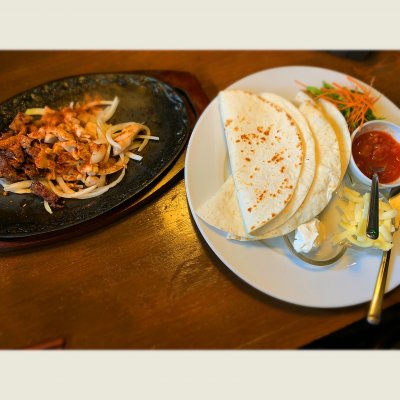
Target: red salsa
[377, 149]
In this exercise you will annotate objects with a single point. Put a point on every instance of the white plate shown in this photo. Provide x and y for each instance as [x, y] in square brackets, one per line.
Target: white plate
[268, 265]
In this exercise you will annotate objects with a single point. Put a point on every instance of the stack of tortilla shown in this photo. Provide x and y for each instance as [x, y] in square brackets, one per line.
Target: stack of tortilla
[286, 161]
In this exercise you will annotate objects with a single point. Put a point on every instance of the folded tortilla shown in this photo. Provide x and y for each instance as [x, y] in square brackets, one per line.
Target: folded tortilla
[339, 125]
[328, 167]
[265, 154]
[285, 126]
[307, 170]
[222, 210]
[327, 149]
[306, 175]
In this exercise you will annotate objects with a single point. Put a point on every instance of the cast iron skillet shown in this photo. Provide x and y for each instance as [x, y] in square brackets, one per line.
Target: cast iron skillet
[142, 99]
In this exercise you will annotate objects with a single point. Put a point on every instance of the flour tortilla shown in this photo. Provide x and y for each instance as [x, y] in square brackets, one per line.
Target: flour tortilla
[306, 175]
[332, 151]
[222, 210]
[339, 124]
[265, 152]
[328, 171]
[307, 171]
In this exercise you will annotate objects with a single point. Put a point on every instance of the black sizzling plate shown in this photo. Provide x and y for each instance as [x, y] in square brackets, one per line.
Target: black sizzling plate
[142, 99]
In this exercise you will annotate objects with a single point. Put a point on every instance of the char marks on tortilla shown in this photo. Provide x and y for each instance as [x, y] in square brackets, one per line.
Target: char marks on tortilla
[326, 148]
[328, 169]
[265, 152]
[307, 170]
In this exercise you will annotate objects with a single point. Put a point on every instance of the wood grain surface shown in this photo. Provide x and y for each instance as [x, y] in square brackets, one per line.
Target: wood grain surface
[148, 280]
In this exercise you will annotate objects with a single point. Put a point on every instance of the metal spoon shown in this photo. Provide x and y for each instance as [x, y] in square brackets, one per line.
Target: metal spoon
[373, 214]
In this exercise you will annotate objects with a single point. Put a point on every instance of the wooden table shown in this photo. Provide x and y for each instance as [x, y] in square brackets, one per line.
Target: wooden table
[149, 280]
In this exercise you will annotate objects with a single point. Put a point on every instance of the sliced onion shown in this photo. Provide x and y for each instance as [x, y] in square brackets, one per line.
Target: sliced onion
[12, 187]
[101, 127]
[146, 140]
[134, 146]
[134, 156]
[108, 152]
[63, 185]
[60, 193]
[47, 207]
[107, 113]
[148, 137]
[115, 128]
[20, 191]
[104, 189]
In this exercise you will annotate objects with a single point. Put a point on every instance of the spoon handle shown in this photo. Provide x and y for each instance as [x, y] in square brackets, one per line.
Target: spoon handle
[373, 215]
[375, 308]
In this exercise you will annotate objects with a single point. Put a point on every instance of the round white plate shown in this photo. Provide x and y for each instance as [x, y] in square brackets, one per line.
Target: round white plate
[268, 265]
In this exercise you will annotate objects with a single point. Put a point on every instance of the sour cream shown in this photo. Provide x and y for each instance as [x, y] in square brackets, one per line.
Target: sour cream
[308, 236]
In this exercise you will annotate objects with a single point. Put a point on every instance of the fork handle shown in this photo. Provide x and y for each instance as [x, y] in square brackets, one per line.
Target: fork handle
[375, 308]
[373, 215]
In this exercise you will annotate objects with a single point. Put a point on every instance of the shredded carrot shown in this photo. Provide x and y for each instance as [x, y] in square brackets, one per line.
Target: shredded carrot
[354, 102]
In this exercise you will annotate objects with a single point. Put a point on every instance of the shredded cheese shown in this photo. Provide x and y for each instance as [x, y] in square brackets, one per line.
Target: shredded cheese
[354, 208]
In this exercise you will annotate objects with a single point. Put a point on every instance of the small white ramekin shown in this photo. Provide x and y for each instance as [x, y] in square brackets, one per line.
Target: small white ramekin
[376, 125]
